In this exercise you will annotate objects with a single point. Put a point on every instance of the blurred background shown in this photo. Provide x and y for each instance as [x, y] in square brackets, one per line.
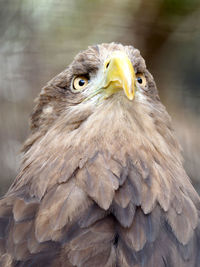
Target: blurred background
[39, 38]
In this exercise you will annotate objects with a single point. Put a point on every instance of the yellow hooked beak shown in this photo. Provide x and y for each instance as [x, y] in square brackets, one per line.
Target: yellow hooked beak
[119, 74]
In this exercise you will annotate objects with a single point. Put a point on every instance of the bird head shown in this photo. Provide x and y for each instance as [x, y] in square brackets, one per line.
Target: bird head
[101, 75]
[115, 74]
[111, 70]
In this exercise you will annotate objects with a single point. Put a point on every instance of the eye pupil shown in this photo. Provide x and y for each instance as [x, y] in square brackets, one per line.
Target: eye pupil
[81, 82]
[139, 79]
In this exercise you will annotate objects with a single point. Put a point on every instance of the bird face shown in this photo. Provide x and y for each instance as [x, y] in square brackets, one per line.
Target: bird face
[115, 73]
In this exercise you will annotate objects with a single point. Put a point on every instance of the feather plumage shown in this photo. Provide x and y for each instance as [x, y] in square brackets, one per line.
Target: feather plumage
[102, 181]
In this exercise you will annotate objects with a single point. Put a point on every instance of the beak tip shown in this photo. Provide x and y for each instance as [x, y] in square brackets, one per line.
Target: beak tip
[130, 97]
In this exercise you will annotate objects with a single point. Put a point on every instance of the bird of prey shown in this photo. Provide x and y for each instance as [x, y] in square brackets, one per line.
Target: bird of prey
[101, 181]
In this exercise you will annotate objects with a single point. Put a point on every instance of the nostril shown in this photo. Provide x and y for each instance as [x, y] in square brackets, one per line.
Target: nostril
[107, 65]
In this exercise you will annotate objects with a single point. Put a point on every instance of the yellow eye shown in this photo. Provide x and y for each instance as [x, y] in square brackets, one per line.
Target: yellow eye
[141, 80]
[80, 83]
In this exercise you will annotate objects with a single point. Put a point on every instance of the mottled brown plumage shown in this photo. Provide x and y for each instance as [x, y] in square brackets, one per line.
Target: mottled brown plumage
[102, 181]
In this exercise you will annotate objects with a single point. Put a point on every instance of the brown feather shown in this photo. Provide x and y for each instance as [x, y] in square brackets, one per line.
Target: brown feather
[180, 224]
[21, 231]
[135, 236]
[124, 215]
[23, 211]
[123, 195]
[100, 185]
[136, 185]
[93, 214]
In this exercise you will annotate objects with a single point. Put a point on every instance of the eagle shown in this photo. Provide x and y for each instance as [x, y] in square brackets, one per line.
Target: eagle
[101, 183]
